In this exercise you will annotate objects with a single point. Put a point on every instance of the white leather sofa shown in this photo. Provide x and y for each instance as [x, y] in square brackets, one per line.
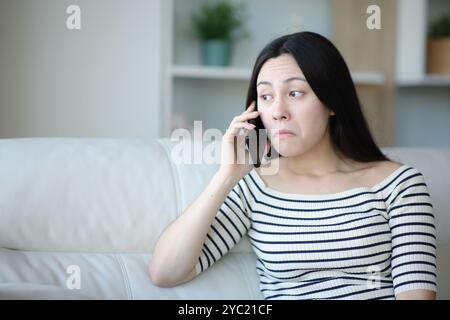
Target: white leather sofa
[79, 219]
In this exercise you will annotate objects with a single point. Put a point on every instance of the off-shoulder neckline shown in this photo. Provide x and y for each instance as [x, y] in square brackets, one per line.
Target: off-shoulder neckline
[347, 192]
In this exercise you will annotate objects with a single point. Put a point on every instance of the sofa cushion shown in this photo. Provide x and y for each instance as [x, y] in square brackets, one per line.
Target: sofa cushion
[118, 276]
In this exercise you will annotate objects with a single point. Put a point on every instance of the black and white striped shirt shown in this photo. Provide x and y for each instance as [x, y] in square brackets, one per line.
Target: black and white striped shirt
[362, 243]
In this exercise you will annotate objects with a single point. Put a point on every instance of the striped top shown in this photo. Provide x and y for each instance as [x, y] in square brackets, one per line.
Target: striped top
[362, 243]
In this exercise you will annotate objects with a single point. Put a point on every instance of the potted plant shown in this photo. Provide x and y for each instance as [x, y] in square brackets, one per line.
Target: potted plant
[217, 25]
[439, 46]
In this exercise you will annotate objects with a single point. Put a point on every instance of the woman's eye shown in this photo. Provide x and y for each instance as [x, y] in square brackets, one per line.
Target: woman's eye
[265, 97]
[295, 93]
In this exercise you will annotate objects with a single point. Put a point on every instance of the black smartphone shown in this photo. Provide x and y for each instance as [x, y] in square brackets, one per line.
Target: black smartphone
[257, 149]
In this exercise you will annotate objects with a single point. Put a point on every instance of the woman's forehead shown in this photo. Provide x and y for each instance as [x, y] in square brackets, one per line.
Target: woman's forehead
[283, 66]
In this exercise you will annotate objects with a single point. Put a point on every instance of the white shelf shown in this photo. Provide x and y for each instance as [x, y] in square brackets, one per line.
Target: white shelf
[360, 78]
[203, 72]
[427, 81]
[232, 73]
[412, 44]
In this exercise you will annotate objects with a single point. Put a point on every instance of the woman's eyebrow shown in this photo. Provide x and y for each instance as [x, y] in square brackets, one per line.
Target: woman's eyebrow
[294, 78]
[285, 81]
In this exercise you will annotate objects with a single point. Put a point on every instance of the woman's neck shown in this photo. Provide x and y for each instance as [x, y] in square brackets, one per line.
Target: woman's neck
[320, 161]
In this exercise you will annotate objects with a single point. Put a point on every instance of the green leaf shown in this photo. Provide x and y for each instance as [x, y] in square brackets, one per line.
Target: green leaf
[218, 20]
[440, 27]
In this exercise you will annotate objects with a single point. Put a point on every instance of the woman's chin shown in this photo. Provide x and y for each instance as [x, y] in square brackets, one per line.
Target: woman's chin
[286, 151]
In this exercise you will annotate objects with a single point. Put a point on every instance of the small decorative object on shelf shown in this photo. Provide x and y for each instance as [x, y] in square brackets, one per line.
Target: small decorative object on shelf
[439, 46]
[218, 24]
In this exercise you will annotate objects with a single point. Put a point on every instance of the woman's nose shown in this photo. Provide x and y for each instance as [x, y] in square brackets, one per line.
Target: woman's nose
[279, 110]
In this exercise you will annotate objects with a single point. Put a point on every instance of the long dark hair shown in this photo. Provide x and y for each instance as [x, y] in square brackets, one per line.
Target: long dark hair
[329, 77]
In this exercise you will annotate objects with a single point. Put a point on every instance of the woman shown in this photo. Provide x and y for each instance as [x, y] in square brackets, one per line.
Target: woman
[336, 213]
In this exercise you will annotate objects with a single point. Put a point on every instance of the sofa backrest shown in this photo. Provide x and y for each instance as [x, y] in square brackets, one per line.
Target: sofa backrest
[118, 195]
[85, 195]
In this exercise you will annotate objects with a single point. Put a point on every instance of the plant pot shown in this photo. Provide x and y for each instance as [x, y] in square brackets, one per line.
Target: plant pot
[216, 52]
[439, 55]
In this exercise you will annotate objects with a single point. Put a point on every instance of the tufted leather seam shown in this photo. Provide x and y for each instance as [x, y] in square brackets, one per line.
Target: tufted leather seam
[125, 277]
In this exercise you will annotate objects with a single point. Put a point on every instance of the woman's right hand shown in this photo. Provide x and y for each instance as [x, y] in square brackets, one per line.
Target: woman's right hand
[235, 159]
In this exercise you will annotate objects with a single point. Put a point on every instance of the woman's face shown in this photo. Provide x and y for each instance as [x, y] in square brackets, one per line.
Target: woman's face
[287, 102]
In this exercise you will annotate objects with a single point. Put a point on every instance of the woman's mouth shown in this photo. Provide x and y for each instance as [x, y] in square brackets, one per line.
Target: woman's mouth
[283, 134]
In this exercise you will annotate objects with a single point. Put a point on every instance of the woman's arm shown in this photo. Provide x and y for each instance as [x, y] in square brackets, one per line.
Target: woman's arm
[411, 220]
[179, 246]
[416, 295]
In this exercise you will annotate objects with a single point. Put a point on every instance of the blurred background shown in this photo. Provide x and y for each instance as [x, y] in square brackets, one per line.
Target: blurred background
[142, 68]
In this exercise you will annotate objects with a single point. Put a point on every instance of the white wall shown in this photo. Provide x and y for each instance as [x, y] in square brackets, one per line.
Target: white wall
[100, 81]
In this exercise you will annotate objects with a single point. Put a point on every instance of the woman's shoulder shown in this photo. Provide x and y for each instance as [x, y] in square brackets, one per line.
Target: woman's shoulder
[399, 174]
[385, 168]
[379, 171]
